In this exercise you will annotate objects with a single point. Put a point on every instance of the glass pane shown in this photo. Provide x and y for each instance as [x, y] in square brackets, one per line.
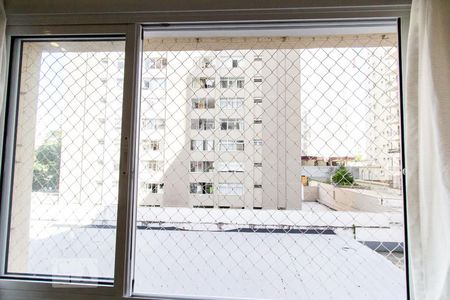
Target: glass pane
[303, 199]
[65, 188]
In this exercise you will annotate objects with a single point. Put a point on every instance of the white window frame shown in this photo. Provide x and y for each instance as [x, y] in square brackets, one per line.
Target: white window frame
[27, 27]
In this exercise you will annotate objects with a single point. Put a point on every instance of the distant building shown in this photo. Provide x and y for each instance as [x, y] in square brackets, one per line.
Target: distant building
[383, 162]
[212, 129]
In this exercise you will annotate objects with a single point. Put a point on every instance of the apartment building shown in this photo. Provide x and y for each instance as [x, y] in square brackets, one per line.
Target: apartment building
[383, 161]
[213, 129]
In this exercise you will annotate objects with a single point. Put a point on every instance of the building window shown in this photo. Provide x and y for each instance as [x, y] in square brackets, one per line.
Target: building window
[257, 165]
[202, 103]
[202, 166]
[202, 145]
[230, 167]
[153, 124]
[206, 62]
[230, 189]
[154, 84]
[257, 57]
[155, 63]
[202, 124]
[155, 188]
[154, 165]
[231, 82]
[152, 145]
[257, 121]
[201, 188]
[257, 79]
[231, 103]
[257, 142]
[231, 145]
[203, 83]
[257, 186]
[257, 100]
[235, 62]
[231, 124]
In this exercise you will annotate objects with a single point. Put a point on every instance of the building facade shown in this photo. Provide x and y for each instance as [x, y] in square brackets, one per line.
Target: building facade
[213, 129]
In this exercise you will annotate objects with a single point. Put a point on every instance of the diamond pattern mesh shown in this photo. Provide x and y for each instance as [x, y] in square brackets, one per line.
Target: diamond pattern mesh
[269, 167]
[280, 168]
[66, 159]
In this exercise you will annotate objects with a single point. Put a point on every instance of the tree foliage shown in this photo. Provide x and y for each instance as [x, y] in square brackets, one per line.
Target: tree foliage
[47, 163]
[342, 176]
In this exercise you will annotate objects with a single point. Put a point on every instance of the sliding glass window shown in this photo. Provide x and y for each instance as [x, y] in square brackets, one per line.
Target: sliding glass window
[259, 161]
[315, 211]
[63, 203]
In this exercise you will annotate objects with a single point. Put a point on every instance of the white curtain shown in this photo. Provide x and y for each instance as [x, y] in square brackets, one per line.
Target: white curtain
[428, 148]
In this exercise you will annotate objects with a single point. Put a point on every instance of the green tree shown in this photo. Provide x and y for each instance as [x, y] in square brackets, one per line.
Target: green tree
[47, 164]
[342, 176]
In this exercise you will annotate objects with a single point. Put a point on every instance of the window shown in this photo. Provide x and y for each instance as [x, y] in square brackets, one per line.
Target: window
[202, 166]
[231, 145]
[200, 103]
[231, 124]
[231, 82]
[201, 188]
[155, 63]
[203, 83]
[155, 188]
[151, 145]
[154, 165]
[231, 103]
[63, 166]
[197, 207]
[206, 62]
[202, 124]
[316, 101]
[202, 145]
[230, 167]
[154, 84]
[257, 57]
[230, 189]
[235, 62]
[257, 142]
[153, 124]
